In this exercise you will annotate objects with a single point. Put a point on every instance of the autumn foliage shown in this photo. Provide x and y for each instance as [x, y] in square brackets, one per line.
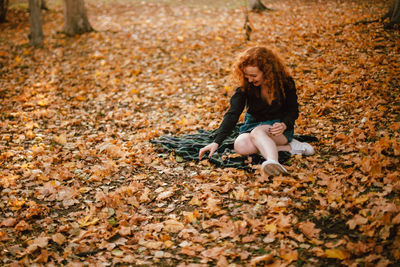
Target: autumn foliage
[81, 183]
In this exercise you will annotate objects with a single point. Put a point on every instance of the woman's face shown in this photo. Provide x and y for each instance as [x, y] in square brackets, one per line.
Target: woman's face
[254, 75]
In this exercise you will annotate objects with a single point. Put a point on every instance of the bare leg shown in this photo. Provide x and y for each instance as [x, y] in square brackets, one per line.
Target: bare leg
[259, 141]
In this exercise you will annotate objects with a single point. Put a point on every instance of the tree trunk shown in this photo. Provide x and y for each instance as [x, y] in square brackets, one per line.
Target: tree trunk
[76, 21]
[35, 19]
[257, 6]
[3, 10]
[393, 15]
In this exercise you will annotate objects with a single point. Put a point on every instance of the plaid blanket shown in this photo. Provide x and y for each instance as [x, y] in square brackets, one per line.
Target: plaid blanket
[187, 148]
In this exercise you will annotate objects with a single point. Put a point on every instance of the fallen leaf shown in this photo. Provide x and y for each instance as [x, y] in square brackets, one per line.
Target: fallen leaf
[9, 222]
[173, 226]
[58, 238]
[309, 230]
[336, 254]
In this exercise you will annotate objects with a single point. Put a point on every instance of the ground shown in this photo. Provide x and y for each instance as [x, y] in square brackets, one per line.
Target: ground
[81, 184]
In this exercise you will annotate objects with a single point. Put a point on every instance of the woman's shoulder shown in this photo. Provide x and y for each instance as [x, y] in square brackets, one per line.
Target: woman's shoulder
[239, 91]
[289, 83]
[238, 94]
[289, 79]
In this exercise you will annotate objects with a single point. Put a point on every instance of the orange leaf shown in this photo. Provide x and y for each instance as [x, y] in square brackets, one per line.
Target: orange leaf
[289, 255]
[336, 254]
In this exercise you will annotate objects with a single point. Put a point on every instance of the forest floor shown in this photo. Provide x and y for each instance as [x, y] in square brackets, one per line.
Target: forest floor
[82, 185]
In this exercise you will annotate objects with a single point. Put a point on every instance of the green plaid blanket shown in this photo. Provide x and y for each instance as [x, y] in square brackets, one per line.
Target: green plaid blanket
[187, 148]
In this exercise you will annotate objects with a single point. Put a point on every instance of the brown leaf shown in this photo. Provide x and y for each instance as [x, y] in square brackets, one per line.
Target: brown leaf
[3, 236]
[267, 258]
[39, 242]
[357, 220]
[222, 262]
[23, 226]
[173, 226]
[396, 219]
[43, 257]
[213, 253]
[153, 244]
[60, 139]
[125, 230]
[9, 222]
[309, 230]
[58, 238]
[165, 195]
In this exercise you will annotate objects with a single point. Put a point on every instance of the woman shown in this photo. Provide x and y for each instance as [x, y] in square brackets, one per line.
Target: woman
[269, 94]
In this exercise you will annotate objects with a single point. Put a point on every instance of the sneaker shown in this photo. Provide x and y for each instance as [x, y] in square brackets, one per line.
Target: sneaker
[301, 148]
[272, 167]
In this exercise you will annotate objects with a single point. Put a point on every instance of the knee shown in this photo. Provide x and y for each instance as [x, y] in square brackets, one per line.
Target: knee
[243, 143]
[258, 132]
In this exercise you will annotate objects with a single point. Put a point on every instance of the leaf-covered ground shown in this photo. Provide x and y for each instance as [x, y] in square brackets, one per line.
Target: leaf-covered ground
[81, 184]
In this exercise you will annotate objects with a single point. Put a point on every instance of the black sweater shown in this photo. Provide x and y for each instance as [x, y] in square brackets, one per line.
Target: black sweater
[287, 111]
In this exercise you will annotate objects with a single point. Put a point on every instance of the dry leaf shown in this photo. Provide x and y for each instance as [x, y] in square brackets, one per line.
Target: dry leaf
[58, 238]
[309, 230]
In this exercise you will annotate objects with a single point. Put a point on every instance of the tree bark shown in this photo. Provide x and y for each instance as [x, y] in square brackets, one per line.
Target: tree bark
[257, 6]
[393, 14]
[76, 21]
[35, 20]
[3, 10]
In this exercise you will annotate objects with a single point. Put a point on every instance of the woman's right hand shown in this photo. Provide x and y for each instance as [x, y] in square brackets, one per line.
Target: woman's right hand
[210, 147]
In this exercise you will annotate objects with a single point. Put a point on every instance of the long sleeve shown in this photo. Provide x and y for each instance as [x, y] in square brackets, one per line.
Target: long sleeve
[290, 107]
[231, 117]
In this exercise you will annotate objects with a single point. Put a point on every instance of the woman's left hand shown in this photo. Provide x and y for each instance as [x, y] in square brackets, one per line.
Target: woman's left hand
[277, 128]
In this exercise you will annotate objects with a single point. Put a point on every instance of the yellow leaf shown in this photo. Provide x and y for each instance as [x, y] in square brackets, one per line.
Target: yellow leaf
[336, 254]
[16, 204]
[195, 201]
[84, 189]
[86, 221]
[382, 108]
[61, 139]
[271, 227]
[290, 255]
[168, 244]
[18, 59]
[42, 103]
[30, 135]
[361, 199]
[191, 216]
[180, 38]
[30, 125]
[183, 121]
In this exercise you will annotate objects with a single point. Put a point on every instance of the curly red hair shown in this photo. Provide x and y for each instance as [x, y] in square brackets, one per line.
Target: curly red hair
[274, 73]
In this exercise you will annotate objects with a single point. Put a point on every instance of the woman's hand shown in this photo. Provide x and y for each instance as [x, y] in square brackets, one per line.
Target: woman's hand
[277, 128]
[210, 147]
